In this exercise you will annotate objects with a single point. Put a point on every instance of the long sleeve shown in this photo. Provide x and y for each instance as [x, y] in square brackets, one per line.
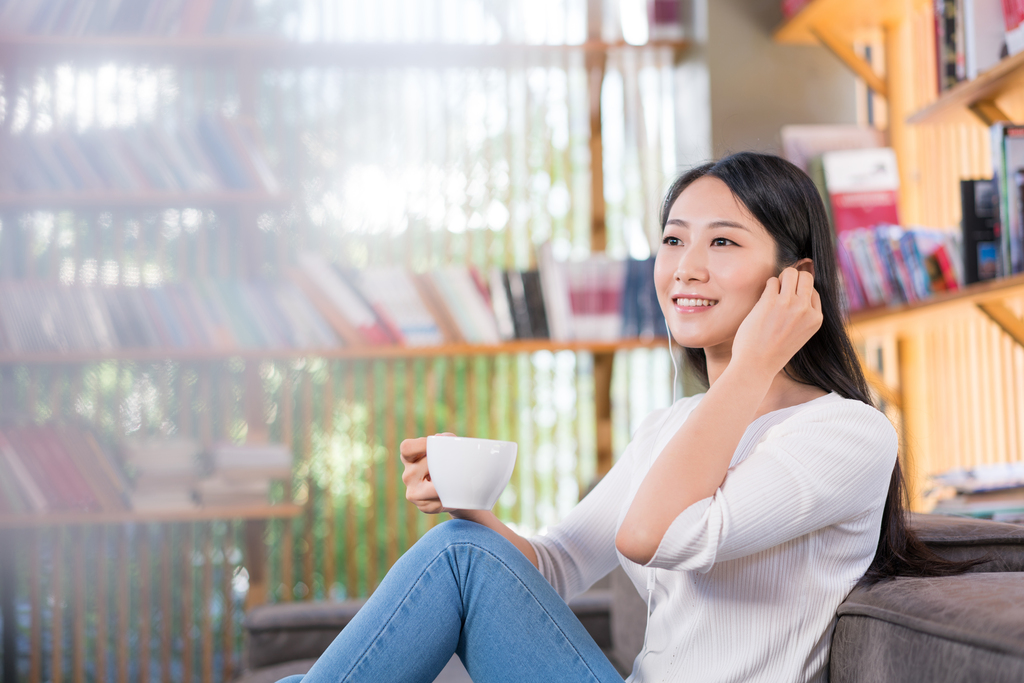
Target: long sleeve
[580, 549]
[829, 464]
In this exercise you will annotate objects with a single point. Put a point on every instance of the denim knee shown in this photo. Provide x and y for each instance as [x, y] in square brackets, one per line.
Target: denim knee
[456, 531]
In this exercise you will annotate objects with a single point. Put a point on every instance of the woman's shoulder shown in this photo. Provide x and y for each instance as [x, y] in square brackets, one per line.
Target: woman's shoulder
[834, 417]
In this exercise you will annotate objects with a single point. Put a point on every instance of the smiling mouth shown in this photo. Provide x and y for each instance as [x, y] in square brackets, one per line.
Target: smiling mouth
[694, 303]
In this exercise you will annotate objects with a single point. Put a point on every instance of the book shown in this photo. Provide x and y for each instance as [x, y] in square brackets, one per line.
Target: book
[1008, 175]
[442, 311]
[468, 303]
[1013, 23]
[595, 291]
[555, 289]
[500, 304]
[984, 35]
[397, 303]
[339, 301]
[36, 500]
[980, 228]
[862, 187]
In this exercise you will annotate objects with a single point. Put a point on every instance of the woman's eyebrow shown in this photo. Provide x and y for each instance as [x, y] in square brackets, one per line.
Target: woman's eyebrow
[713, 224]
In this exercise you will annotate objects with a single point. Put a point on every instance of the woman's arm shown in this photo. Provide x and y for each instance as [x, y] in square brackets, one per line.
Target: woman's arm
[696, 459]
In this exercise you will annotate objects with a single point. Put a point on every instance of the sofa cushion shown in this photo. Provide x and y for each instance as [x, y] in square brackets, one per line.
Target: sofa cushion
[955, 628]
[965, 538]
[294, 630]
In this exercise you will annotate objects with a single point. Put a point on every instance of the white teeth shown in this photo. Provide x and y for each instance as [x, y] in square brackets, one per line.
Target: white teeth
[694, 303]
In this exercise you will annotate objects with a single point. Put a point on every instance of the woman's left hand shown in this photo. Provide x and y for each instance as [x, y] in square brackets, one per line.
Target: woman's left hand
[785, 317]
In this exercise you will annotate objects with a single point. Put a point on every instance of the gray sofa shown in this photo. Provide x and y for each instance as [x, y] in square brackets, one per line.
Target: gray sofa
[939, 630]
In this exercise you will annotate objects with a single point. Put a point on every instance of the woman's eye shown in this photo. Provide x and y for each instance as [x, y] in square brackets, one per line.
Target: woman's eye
[671, 241]
[721, 242]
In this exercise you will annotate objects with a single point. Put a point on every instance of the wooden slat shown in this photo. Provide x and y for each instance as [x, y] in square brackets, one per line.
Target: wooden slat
[101, 602]
[227, 618]
[78, 610]
[413, 397]
[206, 601]
[327, 508]
[35, 647]
[391, 476]
[57, 607]
[372, 518]
[306, 455]
[144, 627]
[166, 610]
[122, 597]
[285, 408]
[351, 529]
[185, 598]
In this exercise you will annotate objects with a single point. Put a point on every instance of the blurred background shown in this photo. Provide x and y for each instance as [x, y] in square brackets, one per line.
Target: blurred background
[195, 193]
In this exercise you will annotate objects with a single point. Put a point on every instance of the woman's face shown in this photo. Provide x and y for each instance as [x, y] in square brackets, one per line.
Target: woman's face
[711, 269]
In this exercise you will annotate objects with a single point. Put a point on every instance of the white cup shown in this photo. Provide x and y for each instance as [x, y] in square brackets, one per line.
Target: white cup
[469, 474]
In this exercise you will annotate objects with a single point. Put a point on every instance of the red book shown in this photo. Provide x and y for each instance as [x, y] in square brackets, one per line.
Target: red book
[38, 467]
[862, 187]
[79, 495]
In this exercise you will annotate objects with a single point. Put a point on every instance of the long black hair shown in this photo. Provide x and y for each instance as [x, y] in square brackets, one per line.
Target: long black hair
[785, 201]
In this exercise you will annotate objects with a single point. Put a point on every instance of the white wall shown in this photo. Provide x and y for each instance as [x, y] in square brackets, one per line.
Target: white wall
[757, 85]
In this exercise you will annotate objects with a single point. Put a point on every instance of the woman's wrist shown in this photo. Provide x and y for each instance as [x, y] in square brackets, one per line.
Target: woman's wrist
[478, 516]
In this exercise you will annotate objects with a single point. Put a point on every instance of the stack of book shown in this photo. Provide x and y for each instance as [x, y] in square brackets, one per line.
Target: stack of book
[213, 154]
[165, 472]
[889, 265]
[599, 299]
[242, 474]
[56, 468]
[146, 17]
[203, 314]
[988, 491]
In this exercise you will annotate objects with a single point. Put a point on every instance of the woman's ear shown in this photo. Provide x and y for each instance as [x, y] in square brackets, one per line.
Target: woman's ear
[805, 264]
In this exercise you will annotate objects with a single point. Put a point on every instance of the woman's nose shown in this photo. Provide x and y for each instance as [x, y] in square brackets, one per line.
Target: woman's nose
[692, 265]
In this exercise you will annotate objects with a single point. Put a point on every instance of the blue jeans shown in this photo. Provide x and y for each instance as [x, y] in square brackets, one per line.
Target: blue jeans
[463, 589]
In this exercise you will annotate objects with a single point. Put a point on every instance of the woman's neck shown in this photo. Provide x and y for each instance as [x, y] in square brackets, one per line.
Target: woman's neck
[784, 391]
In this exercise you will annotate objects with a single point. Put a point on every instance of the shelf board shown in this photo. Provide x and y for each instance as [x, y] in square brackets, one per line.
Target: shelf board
[106, 199]
[953, 106]
[199, 514]
[340, 353]
[843, 18]
[898, 318]
[267, 51]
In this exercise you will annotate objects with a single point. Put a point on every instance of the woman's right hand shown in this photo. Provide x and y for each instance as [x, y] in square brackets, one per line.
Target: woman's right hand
[419, 489]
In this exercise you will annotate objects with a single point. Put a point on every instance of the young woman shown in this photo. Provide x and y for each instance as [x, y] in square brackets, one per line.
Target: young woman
[744, 515]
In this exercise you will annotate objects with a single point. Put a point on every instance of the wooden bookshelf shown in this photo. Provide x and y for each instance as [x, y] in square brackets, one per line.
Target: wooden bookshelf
[269, 51]
[902, 318]
[339, 353]
[197, 514]
[149, 199]
[841, 18]
[969, 99]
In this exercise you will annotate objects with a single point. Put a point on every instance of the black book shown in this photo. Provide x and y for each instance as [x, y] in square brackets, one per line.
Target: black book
[535, 304]
[980, 223]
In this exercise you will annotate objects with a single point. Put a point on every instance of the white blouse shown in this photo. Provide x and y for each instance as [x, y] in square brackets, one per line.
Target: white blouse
[746, 582]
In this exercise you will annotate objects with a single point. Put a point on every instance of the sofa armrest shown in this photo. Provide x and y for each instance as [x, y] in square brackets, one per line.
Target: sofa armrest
[294, 630]
[964, 538]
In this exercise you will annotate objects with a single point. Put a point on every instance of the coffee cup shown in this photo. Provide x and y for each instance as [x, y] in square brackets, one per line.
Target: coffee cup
[469, 473]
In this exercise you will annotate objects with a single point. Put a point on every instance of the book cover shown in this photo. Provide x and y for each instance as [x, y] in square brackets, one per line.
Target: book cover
[36, 462]
[394, 298]
[980, 229]
[1013, 22]
[440, 308]
[310, 328]
[34, 495]
[862, 187]
[340, 302]
[515, 290]
[984, 35]
[80, 495]
[535, 305]
[1008, 162]
[500, 304]
[555, 288]
[467, 302]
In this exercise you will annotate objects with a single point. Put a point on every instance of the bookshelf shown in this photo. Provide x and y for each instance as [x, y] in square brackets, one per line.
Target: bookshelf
[307, 546]
[949, 368]
[198, 514]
